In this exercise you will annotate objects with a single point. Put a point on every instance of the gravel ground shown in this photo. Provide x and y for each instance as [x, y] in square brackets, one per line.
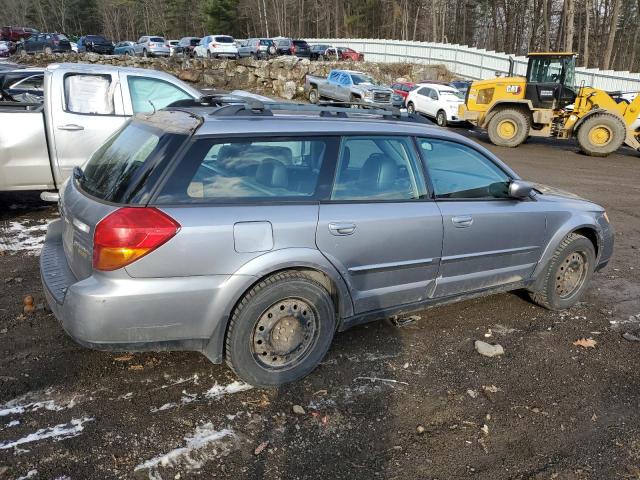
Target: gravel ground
[414, 401]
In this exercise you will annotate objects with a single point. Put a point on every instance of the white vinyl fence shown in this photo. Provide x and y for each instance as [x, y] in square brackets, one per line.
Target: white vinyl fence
[472, 63]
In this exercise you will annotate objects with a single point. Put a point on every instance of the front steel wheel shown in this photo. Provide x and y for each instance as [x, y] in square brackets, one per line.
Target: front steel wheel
[567, 274]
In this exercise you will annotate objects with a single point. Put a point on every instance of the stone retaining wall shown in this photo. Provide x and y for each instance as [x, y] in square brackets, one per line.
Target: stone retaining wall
[281, 76]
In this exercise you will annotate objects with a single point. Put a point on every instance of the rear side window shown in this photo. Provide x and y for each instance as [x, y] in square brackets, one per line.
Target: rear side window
[378, 168]
[113, 169]
[89, 94]
[249, 170]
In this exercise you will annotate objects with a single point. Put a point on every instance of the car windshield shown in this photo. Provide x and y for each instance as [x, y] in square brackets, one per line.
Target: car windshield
[451, 94]
[362, 79]
[300, 43]
[266, 42]
[157, 39]
[224, 39]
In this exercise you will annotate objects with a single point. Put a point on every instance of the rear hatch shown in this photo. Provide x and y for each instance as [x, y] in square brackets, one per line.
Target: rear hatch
[120, 173]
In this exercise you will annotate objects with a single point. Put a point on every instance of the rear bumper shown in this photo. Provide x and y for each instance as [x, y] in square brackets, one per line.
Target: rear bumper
[121, 313]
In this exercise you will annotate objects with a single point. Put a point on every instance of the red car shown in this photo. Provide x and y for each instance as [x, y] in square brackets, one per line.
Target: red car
[15, 34]
[344, 53]
[403, 88]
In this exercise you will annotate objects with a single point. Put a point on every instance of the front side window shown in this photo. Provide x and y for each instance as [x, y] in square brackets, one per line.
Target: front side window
[378, 168]
[545, 70]
[149, 94]
[460, 172]
[251, 170]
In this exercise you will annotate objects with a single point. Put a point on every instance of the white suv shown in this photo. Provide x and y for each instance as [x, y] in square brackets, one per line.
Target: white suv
[436, 101]
[215, 46]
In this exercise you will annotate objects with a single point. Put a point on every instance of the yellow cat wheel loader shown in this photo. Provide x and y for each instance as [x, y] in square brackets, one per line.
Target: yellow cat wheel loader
[547, 104]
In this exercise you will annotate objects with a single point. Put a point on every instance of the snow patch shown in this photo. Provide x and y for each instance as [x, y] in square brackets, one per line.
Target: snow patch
[23, 236]
[166, 406]
[31, 403]
[218, 391]
[193, 455]
[57, 433]
[30, 474]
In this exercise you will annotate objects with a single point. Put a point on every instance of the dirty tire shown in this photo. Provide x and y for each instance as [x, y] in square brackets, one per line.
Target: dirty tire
[508, 128]
[411, 108]
[549, 295]
[314, 97]
[601, 134]
[441, 118]
[240, 352]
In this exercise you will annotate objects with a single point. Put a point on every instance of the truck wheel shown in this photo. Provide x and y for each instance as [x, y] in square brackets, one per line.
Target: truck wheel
[567, 274]
[411, 108]
[508, 128]
[601, 134]
[441, 118]
[313, 95]
[281, 330]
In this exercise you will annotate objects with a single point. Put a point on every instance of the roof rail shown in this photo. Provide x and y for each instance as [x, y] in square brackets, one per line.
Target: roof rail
[236, 105]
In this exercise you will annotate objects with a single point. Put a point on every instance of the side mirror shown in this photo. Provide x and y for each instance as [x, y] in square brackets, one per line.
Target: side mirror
[520, 189]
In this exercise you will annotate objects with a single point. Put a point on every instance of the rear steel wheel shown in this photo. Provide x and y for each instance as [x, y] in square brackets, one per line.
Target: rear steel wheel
[284, 333]
[280, 330]
[571, 274]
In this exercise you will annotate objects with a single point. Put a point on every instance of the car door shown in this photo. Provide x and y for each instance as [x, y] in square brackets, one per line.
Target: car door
[490, 239]
[379, 228]
[80, 119]
[144, 94]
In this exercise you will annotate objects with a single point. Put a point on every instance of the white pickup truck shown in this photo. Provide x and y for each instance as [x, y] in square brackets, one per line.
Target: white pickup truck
[84, 104]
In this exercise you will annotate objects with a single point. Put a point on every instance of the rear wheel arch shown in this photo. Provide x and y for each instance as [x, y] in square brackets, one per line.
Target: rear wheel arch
[325, 275]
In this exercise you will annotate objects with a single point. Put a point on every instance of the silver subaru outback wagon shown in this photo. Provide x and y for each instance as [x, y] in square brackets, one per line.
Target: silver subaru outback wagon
[253, 233]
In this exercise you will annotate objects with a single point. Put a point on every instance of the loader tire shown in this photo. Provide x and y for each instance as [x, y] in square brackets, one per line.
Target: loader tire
[508, 128]
[601, 134]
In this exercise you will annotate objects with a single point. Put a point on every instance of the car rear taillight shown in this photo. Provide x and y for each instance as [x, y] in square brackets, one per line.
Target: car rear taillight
[129, 234]
[293, 49]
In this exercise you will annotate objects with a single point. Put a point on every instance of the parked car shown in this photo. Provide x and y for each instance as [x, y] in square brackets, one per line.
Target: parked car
[5, 49]
[344, 53]
[187, 45]
[172, 44]
[44, 43]
[257, 48]
[124, 48]
[95, 44]
[84, 104]
[301, 49]
[319, 52]
[188, 231]
[461, 85]
[216, 46]
[22, 85]
[403, 89]
[347, 86]
[150, 46]
[436, 101]
[15, 34]
[284, 46]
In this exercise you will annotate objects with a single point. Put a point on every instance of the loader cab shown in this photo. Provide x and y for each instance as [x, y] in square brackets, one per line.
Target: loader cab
[551, 80]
